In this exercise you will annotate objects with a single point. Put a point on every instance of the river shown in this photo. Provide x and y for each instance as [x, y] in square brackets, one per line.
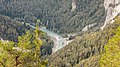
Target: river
[59, 41]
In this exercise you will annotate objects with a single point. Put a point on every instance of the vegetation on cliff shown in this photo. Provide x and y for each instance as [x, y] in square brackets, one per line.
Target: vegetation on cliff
[111, 56]
[11, 29]
[86, 50]
[25, 53]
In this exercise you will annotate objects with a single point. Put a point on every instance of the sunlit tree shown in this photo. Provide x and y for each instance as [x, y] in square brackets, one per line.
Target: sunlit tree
[111, 57]
[25, 53]
[6, 54]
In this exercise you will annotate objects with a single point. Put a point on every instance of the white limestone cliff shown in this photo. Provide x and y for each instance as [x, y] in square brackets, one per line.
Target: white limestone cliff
[73, 5]
[112, 8]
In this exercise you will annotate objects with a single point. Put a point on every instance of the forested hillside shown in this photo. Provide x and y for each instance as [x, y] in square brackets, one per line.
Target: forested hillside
[111, 57]
[21, 45]
[24, 53]
[56, 15]
[81, 43]
[11, 29]
[86, 50]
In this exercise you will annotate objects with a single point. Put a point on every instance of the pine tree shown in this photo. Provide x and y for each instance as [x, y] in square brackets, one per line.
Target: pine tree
[25, 53]
[6, 56]
[111, 57]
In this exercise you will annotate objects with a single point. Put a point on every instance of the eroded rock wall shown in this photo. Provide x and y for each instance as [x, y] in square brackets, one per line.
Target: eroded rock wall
[112, 8]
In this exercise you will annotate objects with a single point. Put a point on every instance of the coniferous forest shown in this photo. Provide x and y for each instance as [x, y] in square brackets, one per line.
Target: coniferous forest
[59, 33]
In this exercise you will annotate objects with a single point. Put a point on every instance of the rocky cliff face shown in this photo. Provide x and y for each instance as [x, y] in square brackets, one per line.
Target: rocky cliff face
[73, 5]
[112, 8]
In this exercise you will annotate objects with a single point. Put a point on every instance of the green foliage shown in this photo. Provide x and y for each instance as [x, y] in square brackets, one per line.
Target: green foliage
[25, 40]
[21, 56]
[76, 52]
[6, 57]
[86, 49]
[11, 29]
[57, 14]
[25, 53]
[90, 62]
[111, 57]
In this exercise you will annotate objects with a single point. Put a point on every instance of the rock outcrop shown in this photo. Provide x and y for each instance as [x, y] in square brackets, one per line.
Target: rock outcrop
[86, 28]
[73, 5]
[112, 8]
